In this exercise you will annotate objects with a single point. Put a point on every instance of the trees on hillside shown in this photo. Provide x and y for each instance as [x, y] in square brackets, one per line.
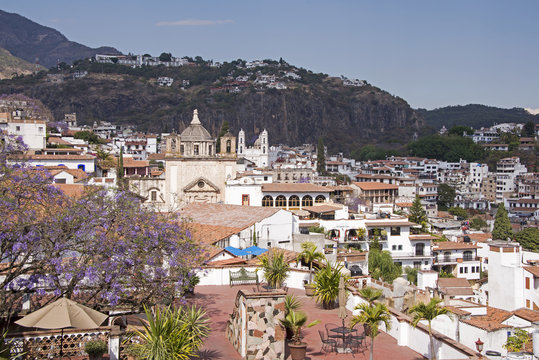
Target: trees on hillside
[446, 148]
[502, 226]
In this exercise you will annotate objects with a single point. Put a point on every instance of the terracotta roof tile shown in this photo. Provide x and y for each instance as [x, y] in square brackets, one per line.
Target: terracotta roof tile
[232, 216]
[71, 190]
[453, 282]
[492, 321]
[131, 163]
[452, 245]
[527, 314]
[210, 234]
[479, 237]
[294, 187]
[319, 209]
[533, 270]
[372, 185]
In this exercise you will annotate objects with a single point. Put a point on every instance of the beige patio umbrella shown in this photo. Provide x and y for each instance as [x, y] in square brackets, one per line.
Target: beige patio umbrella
[61, 314]
[342, 302]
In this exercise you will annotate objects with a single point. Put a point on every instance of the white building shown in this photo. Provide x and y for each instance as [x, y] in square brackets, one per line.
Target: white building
[513, 283]
[459, 259]
[33, 132]
[258, 153]
[507, 170]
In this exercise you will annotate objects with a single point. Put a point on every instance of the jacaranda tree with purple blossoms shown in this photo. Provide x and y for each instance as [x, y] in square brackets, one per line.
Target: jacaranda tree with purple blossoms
[102, 248]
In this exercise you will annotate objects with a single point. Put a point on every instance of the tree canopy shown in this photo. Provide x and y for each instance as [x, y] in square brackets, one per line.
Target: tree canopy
[502, 226]
[446, 148]
[320, 157]
[528, 238]
[101, 248]
[446, 196]
[381, 265]
[418, 215]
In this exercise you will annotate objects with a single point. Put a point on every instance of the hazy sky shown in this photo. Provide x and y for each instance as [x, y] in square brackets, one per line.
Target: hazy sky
[431, 53]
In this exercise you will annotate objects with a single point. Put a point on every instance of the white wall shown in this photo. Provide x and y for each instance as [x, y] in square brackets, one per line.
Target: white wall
[89, 164]
[33, 132]
[221, 276]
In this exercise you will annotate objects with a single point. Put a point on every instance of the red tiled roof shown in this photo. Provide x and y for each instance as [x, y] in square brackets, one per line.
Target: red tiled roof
[453, 282]
[422, 237]
[130, 163]
[319, 209]
[477, 237]
[372, 185]
[71, 190]
[492, 321]
[533, 270]
[527, 314]
[452, 245]
[232, 216]
[294, 187]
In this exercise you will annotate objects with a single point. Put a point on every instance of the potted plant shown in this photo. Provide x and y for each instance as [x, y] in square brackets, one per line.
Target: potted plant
[291, 303]
[295, 320]
[95, 349]
[309, 254]
[327, 284]
[275, 268]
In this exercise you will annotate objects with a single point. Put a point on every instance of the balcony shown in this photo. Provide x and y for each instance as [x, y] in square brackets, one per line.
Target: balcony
[410, 254]
[453, 259]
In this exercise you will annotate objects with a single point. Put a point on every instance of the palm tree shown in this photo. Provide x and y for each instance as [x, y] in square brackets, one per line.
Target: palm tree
[429, 312]
[372, 316]
[309, 255]
[275, 268]
[370, 294]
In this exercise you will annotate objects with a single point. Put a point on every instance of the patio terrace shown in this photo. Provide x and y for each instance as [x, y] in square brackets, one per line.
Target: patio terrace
[219, 303]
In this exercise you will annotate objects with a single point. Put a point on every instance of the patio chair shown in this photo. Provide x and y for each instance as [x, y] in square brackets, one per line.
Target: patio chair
[327, 342]
[354, 335]
[352, 343]
[330, 334]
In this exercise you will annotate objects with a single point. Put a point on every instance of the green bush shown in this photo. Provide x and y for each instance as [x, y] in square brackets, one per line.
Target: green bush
[96, 347]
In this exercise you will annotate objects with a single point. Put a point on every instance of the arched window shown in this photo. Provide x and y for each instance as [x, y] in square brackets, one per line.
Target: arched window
[320, 199]
[267, 201]
[228, 146]
[468, 256]
[293, 202]
[280, 201]
[307, 201]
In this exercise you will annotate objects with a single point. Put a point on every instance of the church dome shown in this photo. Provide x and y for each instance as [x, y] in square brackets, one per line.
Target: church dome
[195, 131]
[257, 142]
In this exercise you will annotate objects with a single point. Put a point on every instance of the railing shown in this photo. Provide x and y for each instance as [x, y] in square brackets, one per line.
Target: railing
[396, 254]
[454, 259]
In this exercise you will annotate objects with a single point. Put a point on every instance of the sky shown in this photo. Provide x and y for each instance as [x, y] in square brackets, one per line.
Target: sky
[430, 53]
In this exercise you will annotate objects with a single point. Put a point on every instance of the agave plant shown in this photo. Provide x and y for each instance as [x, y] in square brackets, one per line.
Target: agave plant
[326, 281]
[172, 333]
[275, 268]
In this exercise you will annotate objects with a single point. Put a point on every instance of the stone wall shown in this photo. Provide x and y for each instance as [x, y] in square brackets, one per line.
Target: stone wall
[254, 328]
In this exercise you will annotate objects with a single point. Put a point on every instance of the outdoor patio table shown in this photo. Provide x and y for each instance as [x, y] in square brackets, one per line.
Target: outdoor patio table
[344, 331]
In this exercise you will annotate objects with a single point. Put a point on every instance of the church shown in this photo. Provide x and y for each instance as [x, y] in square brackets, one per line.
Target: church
[258, 153]
[195, 173]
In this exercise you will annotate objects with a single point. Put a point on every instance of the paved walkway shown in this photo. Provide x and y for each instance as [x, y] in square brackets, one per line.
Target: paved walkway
[219, 301]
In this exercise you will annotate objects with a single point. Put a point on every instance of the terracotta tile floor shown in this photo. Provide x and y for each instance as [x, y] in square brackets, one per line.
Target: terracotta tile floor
[219, 301]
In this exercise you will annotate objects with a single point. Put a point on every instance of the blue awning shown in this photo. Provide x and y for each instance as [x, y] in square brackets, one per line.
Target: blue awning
[236, 251]
[254, 250]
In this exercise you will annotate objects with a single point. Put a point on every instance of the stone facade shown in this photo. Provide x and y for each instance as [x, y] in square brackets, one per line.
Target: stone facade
[254, 327]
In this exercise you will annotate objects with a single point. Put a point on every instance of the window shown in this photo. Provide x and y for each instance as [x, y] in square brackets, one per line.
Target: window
[399, 247]
[265, 178]
[228, 146]
[280, 201]
[81, 167]
[245, 200]
[320, 199]
[182, 149]
[17, 128]
[201, 184]
[426, 262]
[395, 230]
[394, 247]
[195, 150]
[417, 264]
[527, 283]
[472, 269]
[461, 270]
[477, 269]
[210, 149]
[267, 201]
[307, 201]
[59, 181]
[466, 270]
[154, 195]
[293, 201]
[41, 129]
[468, 256]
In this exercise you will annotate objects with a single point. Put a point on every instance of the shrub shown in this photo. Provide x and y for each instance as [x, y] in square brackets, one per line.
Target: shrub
[96, 347]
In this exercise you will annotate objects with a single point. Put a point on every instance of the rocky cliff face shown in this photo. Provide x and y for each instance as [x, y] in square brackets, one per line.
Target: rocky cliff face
[345, 117]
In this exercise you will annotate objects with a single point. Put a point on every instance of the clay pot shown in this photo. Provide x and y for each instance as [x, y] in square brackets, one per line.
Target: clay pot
[309, 289]
[297, 351]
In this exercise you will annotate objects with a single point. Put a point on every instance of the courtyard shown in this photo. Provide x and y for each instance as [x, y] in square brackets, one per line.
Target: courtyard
[218, 301]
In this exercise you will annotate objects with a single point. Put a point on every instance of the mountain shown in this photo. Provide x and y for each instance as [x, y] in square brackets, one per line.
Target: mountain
[12, 66]
[311, 106]
[28, 40]
[475, 116]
